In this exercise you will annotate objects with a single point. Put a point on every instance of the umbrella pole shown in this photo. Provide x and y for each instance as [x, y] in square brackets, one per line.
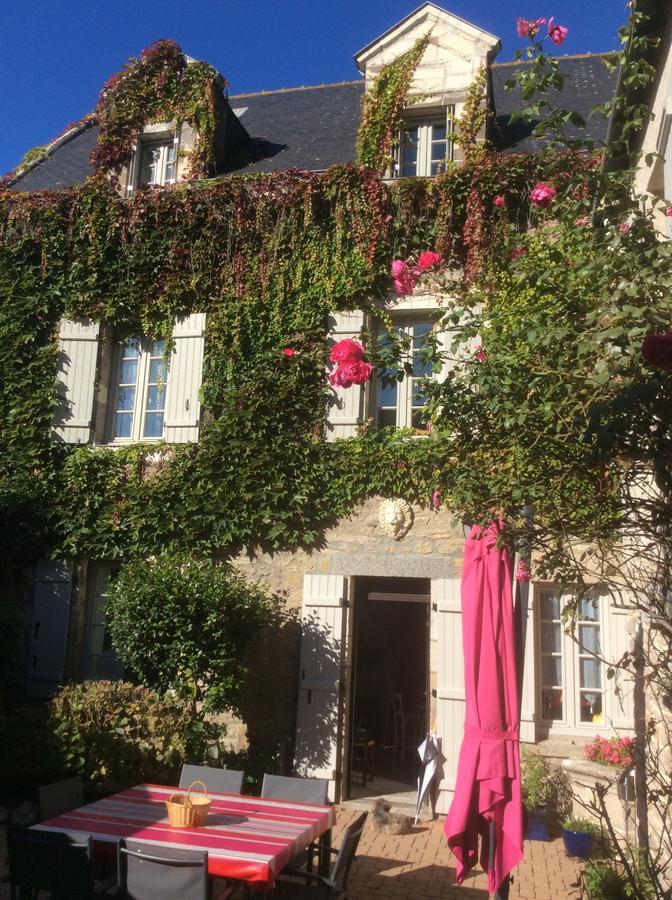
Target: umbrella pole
[502, 892]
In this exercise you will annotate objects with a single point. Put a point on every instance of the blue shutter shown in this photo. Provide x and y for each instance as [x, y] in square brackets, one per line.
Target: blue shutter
[48, 627]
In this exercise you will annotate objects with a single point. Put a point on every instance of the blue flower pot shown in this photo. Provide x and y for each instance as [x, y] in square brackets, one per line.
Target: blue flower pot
[577, 843]
[537, 825]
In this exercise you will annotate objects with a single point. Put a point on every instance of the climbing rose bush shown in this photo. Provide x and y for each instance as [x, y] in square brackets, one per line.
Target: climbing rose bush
[351, 367]
[406, 275]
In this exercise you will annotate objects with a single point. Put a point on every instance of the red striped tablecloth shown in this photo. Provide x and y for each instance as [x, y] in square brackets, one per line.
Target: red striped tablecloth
[246, 838]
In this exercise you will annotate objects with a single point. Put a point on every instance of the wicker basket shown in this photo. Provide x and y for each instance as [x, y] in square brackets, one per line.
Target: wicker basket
[185, 811]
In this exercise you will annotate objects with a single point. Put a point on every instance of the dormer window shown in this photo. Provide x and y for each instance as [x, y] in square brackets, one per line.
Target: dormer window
[157, 163]
[425, 144]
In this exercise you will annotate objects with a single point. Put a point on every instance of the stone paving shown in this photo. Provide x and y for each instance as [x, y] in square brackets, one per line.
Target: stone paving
[419, 865]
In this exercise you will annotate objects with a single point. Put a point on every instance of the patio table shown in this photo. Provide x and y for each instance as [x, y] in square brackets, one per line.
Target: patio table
[248, 839]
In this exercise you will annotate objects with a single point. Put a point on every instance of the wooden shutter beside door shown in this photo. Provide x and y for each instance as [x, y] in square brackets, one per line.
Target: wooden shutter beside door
[76, 380]
[320, 668]
[346, 407]
[49, 627]
[184, 380]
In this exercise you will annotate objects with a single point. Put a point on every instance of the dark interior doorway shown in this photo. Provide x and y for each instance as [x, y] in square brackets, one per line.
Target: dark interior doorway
[390, 684]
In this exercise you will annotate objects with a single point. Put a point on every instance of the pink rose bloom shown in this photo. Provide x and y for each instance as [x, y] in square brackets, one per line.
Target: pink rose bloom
[428, 260]
[542, 194]
[399, 268]
[345, 374]
[480, 355]
[657, 350]
[436, 499]
[289, 351]
[623, 227]
[582, 221]
[557, 33]
[499, 201]
[668, 213]
[346, 350]
[528, 27]
[406, 282]
[522, 572]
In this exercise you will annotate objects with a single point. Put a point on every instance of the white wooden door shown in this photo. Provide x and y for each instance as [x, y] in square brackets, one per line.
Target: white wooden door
[450, 681]
[318, 714]
[48, 627]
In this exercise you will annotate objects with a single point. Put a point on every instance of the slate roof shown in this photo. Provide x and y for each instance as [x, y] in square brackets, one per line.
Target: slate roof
[315, 127]
[588, 82]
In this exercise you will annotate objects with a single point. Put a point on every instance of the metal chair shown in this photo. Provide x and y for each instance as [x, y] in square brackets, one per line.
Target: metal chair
[60, 797]
[329, 887]
[303, 790]
[147, 872]
[58, 862]
[225, 781]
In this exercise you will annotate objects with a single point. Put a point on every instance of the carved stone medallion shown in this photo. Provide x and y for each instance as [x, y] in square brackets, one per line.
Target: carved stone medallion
[395, 518]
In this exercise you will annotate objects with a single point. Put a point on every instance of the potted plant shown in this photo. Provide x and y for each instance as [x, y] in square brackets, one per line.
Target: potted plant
[536, 783]
[577, 836]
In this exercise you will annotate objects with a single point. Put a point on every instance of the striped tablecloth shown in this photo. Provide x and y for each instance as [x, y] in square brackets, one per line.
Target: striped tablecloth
[246, 838]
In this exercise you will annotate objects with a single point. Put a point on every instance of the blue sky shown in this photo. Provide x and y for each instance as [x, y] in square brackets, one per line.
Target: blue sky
[58, 53]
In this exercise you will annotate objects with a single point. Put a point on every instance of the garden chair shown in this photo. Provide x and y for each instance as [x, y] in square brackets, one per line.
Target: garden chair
[303, 790]
[60, 797]
[157, 873]
[224, 781]
[58, 862]
[332, 886]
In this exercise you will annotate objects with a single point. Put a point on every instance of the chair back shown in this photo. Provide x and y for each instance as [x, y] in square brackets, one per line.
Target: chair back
[224, 781]
[149, 872]
[303, 790]
[60, 797]
[346, 854]
[58, 862]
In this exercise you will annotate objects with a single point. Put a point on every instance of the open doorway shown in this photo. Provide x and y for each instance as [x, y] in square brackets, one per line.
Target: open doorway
[389, 702]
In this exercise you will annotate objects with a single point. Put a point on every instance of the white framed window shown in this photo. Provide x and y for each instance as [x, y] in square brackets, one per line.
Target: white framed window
[425, 145]
[572, 679]
[401, 403]
[138, 397]
[99, 659]
[154, 161]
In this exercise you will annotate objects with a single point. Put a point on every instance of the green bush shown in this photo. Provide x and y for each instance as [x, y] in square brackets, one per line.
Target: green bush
[118, 734]
[577, 823]
[186, 625]
[601, 881]
[544, 786]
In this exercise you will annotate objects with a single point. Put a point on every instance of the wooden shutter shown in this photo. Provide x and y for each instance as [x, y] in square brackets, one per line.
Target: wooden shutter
[49, 627]
[184, 380]
[618, 633]
[528, 725]
[450, 699]
[76, 381]
[346, 407]
[318, 718]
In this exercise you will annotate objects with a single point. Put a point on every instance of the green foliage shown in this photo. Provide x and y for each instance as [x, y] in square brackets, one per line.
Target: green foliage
[470, 126]
[160, 86]
[602, 881]
[186, 625]
[382, 107]
[32, 155]
[28, 753]
[544, 787]
[578, 823]
[118, 734]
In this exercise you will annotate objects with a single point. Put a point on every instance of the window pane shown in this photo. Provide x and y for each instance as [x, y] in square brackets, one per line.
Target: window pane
[419, 418]
[590, 673]
[125, 398]
[589, 609]
[387, 417]
[157, 348]
[591, 706]
[122, 425]
[551, 671]
[550, 605]
[131, 348]
[155, 397]
[418, 398]
[387, 393]
[158, 372]
[153, 424]
[420, 331]
[439, 133]
[589, 638]
[129, 371]
[551, 636]
[551, 704]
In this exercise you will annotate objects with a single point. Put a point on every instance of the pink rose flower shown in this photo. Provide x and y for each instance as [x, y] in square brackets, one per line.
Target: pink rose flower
[406, 283]
[289, 351]
[480, 355]
[668, 212]
[581, 221]
[399, 268]
[346, 350]
[623, 227]
[345, 374]
[523, 572]
[428, 260]
[436, 499]
[528, 27]
[657, 350]
[557, 33]
[542, 194]
[499, 201]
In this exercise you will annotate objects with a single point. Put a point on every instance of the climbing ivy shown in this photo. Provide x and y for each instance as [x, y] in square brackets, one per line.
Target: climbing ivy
[382, 107]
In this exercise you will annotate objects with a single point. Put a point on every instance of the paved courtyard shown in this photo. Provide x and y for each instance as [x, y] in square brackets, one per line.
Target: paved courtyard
[419, 865]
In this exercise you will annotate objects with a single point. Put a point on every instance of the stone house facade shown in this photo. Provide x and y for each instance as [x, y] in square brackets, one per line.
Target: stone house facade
[379, 662]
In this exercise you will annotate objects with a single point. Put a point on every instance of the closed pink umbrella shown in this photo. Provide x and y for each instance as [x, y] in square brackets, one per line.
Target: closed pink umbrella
[487, 801]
